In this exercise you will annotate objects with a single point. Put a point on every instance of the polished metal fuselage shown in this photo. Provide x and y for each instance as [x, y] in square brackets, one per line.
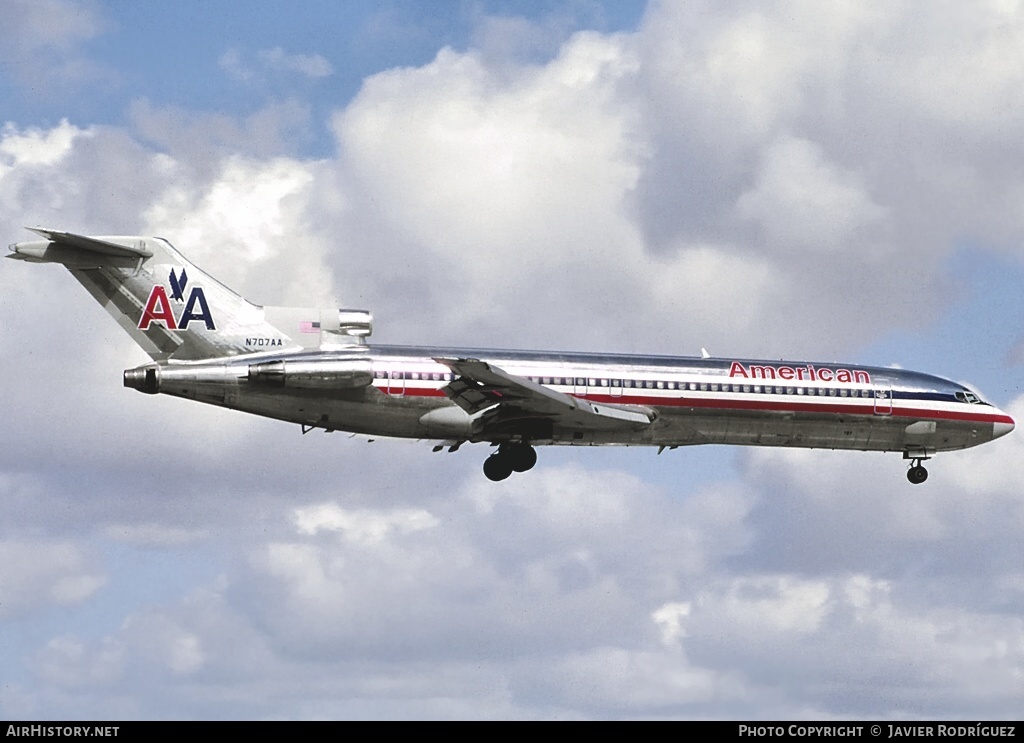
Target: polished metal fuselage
[400, 393]
[312, 366]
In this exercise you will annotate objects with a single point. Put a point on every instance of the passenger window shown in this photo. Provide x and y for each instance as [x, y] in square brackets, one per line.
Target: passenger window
[703, 386]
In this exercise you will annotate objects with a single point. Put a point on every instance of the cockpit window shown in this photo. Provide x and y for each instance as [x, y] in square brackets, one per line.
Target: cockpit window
[968, 397]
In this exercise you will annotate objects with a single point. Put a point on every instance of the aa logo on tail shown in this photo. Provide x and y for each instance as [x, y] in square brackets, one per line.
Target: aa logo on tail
[158, 306]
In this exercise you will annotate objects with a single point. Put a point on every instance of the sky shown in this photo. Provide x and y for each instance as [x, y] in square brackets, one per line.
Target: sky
[783, 179]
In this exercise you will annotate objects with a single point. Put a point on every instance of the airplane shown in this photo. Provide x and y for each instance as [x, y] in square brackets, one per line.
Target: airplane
[315, 367]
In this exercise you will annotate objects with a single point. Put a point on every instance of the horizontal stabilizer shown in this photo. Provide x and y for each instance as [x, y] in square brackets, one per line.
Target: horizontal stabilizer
[94, 244]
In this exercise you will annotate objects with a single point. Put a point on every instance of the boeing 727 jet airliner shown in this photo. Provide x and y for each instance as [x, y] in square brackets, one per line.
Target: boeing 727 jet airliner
[314, 367]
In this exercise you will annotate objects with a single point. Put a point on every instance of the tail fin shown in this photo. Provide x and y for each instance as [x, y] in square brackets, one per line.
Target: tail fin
[174, 310]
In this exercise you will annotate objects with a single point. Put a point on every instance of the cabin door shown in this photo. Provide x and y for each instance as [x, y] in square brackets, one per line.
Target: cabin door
[396, 383]
[883, 399]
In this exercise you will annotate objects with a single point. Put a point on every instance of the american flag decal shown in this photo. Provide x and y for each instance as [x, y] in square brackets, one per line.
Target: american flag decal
[309, 327]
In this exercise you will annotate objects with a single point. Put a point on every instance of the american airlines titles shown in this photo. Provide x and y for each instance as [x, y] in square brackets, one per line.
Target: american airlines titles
[799, 373]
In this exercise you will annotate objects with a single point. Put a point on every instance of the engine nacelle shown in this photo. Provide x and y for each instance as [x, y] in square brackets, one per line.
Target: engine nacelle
[313, 327]
[448, 422]
[327, 374]
[352, 323]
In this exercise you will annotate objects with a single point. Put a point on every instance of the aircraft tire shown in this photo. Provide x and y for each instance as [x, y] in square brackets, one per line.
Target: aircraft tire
[917, 474]
[497, 467]
[523, 457]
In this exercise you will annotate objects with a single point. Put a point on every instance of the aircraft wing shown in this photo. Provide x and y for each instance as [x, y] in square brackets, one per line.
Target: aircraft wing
[480, 386]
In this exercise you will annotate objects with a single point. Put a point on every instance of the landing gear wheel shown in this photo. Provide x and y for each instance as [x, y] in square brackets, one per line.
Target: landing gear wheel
[497, 467]
[522, 456]
[917, 474]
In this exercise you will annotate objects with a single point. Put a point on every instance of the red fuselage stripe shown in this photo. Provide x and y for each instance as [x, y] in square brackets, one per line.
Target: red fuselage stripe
[867, 408]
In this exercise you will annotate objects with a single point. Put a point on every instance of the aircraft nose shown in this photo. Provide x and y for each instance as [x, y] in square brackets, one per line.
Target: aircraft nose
[1003, 427]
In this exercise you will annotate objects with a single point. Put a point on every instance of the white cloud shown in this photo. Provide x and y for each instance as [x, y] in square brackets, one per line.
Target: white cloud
[200, 140]
[671, 618]
[45, 573]
[231, 62]
[802, 202]
[364, 526]
[773, 605]
[494, 183]
[40, 42]
[310, 65]
[66, 661]
[275, 61]
[35, 146]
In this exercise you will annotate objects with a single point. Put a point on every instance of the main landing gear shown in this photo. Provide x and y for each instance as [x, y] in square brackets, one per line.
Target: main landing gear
[508, 459]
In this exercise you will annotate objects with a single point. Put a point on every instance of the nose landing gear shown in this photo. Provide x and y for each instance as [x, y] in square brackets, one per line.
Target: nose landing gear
[509, 458]
[917, 473]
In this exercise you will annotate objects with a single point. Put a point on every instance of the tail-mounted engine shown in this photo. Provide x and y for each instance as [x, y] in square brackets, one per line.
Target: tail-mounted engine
[354, 324]
[320, 374]
[314, 327]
